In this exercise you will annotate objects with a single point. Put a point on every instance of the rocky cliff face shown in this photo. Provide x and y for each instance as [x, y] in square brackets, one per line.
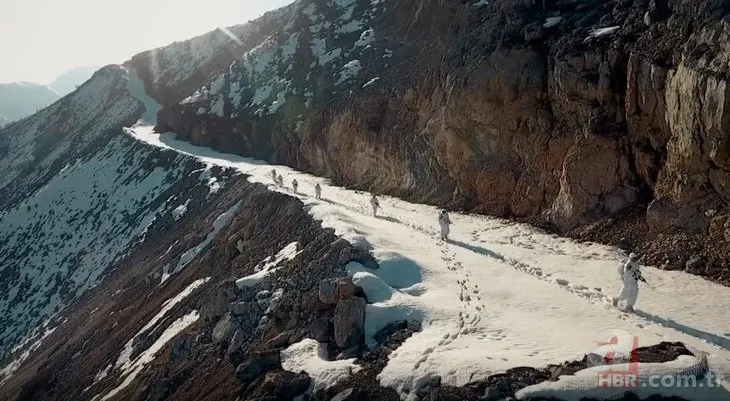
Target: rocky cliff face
[605, 120]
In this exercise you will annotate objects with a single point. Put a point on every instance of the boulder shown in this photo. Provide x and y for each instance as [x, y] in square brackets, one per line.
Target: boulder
[286, 385]
[352, 254]
[159, 389]
[258, 363]
[349, 322]
[181, 348]
[320, 329]
[694, 263]
[229, 289]
[332, 290]
[225, 328]
[281, 340]
[237, 341]
[328, 291]
[242, 308]
[215, 306]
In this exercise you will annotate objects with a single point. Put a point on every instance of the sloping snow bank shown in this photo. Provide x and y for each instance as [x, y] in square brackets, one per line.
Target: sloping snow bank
[123, 362]
[149, 355]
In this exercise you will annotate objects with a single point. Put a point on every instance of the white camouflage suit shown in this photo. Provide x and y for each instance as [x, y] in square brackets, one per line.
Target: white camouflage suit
[631, 275]
[375, 205]
[444, 222]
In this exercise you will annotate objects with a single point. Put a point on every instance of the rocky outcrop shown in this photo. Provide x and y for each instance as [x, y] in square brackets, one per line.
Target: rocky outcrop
[349, 322]
[570, 115]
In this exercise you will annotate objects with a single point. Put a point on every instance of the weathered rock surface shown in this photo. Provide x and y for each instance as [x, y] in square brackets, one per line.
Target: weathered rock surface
[349, 322]
[225, 328]
[332, 290]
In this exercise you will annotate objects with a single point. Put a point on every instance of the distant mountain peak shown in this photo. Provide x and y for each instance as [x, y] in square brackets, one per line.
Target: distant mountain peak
[70, 80]
[21, 99]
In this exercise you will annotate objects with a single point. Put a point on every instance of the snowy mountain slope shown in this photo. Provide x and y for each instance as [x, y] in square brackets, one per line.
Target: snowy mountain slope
[4, 121]
[497, 295]
[76, 196]
[30, 148]
[172, 72]
[140, 332]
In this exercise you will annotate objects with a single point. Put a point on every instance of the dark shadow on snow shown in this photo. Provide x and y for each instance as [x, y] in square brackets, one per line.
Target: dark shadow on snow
[476, 249]
[388, 218]
[715, 339]
[330, 201]
[170, 139]
[395, 270]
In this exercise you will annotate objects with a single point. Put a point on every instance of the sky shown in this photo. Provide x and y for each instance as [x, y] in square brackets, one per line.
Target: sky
[41, 39]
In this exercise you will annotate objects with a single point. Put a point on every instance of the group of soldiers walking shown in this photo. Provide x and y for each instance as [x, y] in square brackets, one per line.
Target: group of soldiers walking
[629, 271]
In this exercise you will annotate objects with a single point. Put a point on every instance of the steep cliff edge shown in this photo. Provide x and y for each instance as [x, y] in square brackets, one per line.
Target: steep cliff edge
[602, 120]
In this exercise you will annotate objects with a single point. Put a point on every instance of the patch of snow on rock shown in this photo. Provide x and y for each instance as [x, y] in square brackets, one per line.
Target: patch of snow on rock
[290, 47]
[179, 211]
[597, 33]
[220, 222]
[309, 356]
[217, 107]
[366, 38]
[370, 82]
[552, 21]
[217, 85]
[124, 362]
[352, 26]
[349, 71]
[329, 56]
[270, 265]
